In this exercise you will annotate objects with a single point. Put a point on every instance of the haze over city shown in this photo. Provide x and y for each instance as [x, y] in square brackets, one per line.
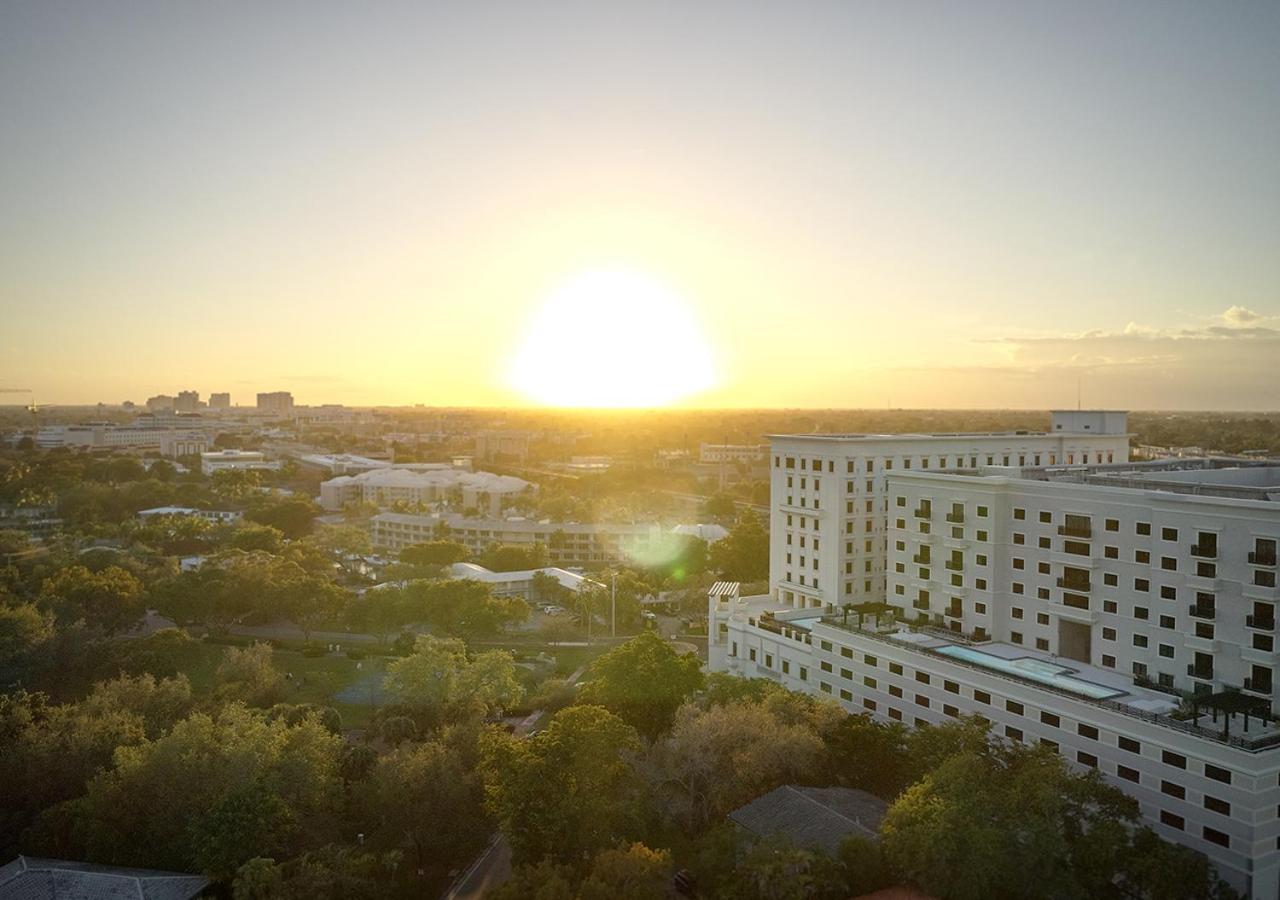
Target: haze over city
[815, 205]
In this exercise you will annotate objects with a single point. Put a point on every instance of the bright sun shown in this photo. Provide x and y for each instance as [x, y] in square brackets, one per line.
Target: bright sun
[612, 338]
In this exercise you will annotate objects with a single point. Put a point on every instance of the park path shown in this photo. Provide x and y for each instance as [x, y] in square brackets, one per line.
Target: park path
[493, 866]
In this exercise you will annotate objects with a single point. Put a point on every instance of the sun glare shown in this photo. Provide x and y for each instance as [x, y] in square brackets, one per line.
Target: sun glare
[612, 338]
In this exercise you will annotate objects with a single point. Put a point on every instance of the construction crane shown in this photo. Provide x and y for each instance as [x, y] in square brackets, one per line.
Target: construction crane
[32, 407]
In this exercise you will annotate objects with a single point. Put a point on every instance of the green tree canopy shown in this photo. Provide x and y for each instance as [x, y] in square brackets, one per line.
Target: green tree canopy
[568, 791]
[643, 681]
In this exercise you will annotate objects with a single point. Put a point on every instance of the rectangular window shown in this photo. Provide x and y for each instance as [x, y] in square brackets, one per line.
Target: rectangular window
[982, 697]
[922, 677]
[1217, 773]
[1014, 707]
[1086, 759]
[1213, 804]
[1130, 745]
[1128, 774]
[1173, 789]
[1177, 760]
[1086, 731]
[1049, 718]
[1013, 734]
[1172, 820]
[1214, 836]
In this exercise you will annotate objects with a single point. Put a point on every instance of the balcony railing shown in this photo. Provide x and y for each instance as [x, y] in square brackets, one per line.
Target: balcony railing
[1199, 672]
[1257, 686]
[921, 559]
[922, 512]
[955, 565]
[954, 612]
[1076, 531]
[1197, 611]
[955, 518]
[920, 604]
[1261, 559]
[1075, 584]
[1262, 623]
[1204, 552]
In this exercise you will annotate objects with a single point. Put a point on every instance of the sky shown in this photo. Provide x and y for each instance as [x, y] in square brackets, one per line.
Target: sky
[980, 204]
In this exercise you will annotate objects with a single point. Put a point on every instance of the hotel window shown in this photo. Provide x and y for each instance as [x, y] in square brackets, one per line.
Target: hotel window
[1214, 836]
[1087, 731]
[1049, 718]
[1177, 760]
[1217, 773]
[868, 681]
[895, 691]
[1129, 774]
[1014, 707]
[1168, 534]
[981, 697]
[1143, 528]
[895, 668]
[869, 704]
[1213, 804]
[1013, 734]
[1086, 759]
[1129, 744]
[1112, 525]
[1172, 820]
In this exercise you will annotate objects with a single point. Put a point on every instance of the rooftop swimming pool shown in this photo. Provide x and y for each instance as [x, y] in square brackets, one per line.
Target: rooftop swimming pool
[1037, 670]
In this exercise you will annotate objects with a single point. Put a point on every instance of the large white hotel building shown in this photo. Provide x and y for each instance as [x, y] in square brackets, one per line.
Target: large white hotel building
[1123, 613]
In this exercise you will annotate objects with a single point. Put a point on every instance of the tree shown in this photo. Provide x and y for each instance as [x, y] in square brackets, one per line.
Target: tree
[461, 607]
[545, 880]
[345, 544]
[292, 516]
[548, 589]
[743, 554]
[24, 629]
[247, 674]
[1007, 820]
[252, 536]
[418, 786]
[330, 871]
[869, 756]
[634, 872]
[110, 599]
[438, 682]
[643, 681]
[214, 792]
[720, 506]
[434, 553]
[568, 791]
[719, 758]
[513, 558]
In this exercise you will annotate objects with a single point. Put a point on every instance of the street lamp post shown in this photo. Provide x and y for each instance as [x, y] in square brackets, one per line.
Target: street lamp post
[613, 606]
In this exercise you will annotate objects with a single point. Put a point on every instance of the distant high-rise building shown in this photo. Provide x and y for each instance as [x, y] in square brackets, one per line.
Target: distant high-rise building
[277, 403]
[187, 401]
[161, 401]
[220, 401]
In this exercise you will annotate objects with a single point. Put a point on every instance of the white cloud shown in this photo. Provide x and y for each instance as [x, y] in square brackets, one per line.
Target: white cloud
[1240, 315]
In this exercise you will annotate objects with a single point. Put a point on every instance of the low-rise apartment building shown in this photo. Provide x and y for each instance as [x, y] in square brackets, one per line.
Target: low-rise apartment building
[567, 543]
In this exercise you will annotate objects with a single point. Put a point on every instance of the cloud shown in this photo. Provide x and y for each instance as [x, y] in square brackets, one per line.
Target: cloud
[1240, 315]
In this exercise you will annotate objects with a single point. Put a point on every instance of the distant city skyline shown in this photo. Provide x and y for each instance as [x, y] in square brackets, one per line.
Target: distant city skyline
[855, 204]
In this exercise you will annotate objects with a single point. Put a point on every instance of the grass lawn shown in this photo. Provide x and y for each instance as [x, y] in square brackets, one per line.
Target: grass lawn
[315, 679]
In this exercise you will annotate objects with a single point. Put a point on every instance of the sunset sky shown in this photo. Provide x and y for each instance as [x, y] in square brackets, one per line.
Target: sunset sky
[820, 204]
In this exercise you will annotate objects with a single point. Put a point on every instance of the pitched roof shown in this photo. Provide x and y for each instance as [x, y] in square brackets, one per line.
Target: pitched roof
[813, 817]
[32, 878]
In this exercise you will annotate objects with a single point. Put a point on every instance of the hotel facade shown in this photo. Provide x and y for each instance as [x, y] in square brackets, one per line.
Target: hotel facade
[1123, 613]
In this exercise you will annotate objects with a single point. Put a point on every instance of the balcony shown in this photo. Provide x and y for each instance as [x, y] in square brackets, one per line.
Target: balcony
[1261, 559]
[1261, 623]
[1257, 686]
[922, 512]
[920, 604]
[1084, 532]
[1082, 585]
[954, 612]
[1202, 552]
[1196, 611]
[955, 518]
[955, 565]
[1200, 672]
[921, 559]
